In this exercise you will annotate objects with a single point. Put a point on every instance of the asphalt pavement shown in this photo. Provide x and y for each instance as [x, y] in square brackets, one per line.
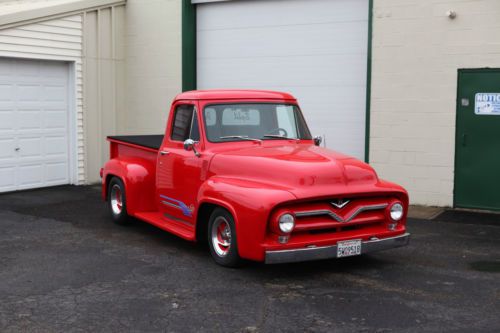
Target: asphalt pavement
[65, 267]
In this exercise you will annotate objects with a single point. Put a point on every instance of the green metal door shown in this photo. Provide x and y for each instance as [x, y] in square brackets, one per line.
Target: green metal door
[477, 153]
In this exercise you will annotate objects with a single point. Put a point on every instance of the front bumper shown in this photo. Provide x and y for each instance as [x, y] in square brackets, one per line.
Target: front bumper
[326, 252]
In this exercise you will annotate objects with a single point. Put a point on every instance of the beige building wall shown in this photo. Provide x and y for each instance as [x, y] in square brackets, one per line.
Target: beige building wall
[153, 65]
[417, 51]
[133, 71]
[104, 83]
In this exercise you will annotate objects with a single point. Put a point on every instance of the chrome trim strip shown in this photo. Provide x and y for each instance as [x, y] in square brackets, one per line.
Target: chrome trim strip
[171, 217]
[319, 213]
[327, 252]
[365, 209]
[337, 217]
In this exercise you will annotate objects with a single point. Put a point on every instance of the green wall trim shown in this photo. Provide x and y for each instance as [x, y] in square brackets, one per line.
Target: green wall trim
[188, 45]
[368, 81]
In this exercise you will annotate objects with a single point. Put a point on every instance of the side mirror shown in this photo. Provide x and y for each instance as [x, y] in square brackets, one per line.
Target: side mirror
[317, 140]
[189, 145]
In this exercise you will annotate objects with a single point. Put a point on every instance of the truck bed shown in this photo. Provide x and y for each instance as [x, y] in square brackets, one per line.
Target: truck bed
[148, 141]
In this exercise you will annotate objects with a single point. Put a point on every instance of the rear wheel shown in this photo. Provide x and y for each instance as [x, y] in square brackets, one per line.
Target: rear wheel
[222, 238]
[117, 203]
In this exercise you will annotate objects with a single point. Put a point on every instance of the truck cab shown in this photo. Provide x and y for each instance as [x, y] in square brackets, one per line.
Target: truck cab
[240, 170]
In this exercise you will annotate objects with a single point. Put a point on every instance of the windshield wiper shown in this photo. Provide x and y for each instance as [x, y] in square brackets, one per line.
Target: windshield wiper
[279, 137]
[243, 137]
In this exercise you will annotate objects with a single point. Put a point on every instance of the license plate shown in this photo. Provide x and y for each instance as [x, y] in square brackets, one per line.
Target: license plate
[349, 248]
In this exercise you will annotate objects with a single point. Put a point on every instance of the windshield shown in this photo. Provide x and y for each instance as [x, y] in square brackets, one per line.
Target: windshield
[239, 122]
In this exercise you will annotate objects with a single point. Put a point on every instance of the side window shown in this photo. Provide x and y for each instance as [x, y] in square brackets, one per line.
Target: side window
[185, 124]
[286, 117]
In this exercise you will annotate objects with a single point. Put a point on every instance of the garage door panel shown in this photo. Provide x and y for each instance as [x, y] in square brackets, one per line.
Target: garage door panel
[6, 91]
[29, 119]
[273, 13]
[55, 93]
[290, 71]
[28, 92]
[56, 146]
[34, 127]
[30, 147]
[30, 176]
[6, 68]
[56, 173]
[7, 120]
[7, 149]
[314, 49]
[55, 119]
[316, 95]
[54, 70]
[25, 68]
[294, 40]
[8, 178]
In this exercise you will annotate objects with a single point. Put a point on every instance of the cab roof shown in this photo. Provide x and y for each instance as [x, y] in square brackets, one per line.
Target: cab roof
[234, 94]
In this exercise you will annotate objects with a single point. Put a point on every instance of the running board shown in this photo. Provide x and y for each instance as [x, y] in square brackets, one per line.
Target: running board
[169, 223]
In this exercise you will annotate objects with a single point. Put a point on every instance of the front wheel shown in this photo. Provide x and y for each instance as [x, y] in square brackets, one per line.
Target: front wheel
[222, 238]
[116, 201]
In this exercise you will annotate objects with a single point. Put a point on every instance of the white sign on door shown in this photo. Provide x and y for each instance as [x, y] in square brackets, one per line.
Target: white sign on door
[487, 104]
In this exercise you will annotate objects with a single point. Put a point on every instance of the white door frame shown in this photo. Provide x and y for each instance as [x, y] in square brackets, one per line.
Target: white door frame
[73, 124]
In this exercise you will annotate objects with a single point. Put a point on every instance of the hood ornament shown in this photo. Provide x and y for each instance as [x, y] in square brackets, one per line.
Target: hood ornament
[339, 203]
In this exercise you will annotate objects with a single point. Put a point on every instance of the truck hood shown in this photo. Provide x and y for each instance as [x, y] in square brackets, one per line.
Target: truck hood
[302, 169]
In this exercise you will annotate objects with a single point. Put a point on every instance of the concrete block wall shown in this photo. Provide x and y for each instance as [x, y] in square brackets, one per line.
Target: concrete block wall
[417, 51]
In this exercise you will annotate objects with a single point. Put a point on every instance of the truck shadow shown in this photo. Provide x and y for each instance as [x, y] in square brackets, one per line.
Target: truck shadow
[308, 268]
[199, 255]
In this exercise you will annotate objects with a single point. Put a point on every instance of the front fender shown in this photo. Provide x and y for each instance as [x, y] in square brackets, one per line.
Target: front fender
[250, 203]
[138, 176]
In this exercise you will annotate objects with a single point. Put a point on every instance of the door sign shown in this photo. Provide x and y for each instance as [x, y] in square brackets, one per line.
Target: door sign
[487, 104]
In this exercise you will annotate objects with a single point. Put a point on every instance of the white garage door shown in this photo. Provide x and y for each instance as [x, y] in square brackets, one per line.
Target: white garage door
[33, 124]
[315, 49]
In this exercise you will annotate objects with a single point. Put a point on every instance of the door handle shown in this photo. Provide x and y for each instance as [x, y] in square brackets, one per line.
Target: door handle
[464, 139]
[164, 152]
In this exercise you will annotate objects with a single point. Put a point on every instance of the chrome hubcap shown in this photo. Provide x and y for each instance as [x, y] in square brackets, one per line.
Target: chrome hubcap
[116, 199]
[221, 236]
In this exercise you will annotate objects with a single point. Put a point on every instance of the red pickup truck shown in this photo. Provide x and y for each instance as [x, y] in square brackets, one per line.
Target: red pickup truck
[240, 170]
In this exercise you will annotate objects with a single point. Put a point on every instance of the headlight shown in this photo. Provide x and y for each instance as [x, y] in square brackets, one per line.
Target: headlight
[396, 211]
[286, 223]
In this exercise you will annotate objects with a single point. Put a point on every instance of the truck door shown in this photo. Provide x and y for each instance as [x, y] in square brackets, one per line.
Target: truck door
[178, 175]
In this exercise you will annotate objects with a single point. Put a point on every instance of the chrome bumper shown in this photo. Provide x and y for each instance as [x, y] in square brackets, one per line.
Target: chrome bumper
[326, 252]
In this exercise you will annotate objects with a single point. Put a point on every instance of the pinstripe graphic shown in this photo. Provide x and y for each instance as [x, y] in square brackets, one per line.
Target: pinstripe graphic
[176, 204]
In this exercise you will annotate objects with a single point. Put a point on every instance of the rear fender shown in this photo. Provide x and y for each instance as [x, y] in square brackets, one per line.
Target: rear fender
[250, 204]
[138, 176]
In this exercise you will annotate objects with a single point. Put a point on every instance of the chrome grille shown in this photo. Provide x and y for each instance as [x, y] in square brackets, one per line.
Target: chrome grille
[333, 215]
